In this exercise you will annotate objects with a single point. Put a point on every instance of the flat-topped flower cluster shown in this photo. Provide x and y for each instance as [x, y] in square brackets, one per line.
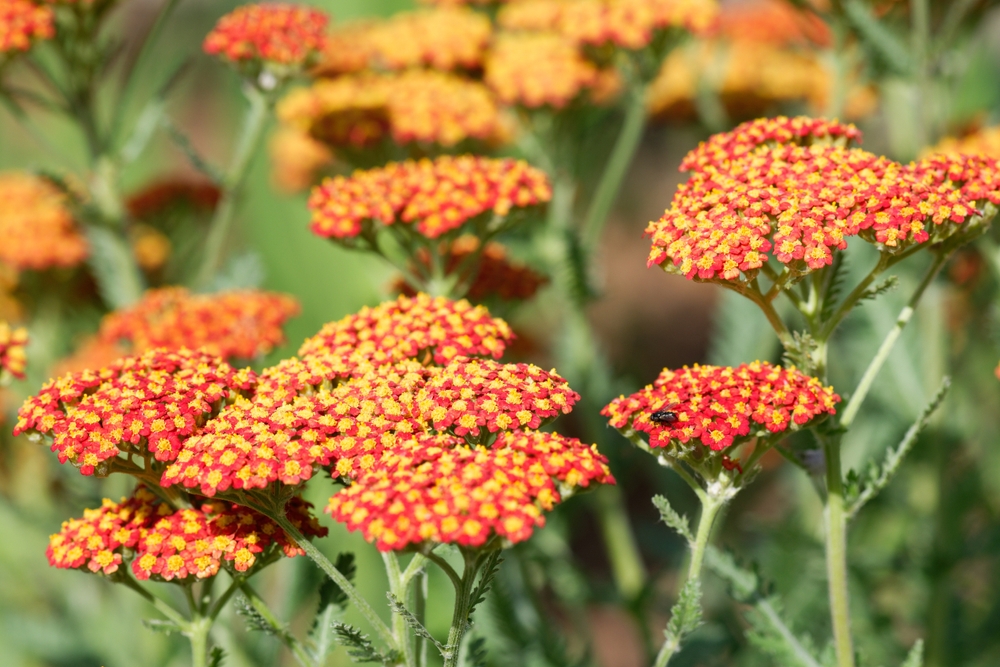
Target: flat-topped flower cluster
[394, 397]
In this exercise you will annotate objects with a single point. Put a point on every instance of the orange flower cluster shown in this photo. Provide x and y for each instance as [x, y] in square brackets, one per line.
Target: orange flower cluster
[629, 24]
[145, 405]
[412, 328]
[13, 357]
[21, 23]
[438, 195]
[751, 193]
[292, 426]
[719, 406]
[537, 69]
[981, 142]
[443, 38]
[238, 324]
[410, 106]
[285, 34]
[167, 544]
[37, 229]
[497, 275]
[433, 489]
[469, 394]
[774, 22]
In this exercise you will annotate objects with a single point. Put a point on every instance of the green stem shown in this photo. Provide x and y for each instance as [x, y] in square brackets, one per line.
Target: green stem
[460, 615]
[331, 571]
[836, 555]
[197, 634]
[848, 304]
[159, 604]
[246, 146]
[617, 166]
[865, 384]
[398, 588]
[710, 507]
[294, 645]
[623, 550]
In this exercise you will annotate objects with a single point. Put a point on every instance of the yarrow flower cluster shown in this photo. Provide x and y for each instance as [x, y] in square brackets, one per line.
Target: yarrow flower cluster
[435, 196]
[629, 24]
[13, 358]
[165, 544]
[444, 38]
[284, 34]
[985, 141]
[471, 395]
[537, 69]
[37, 228]
[756, 189]
[22, 22]
[719, 406]
[433, 489]
[144, 406]
[411, 106]
[410, 328]
[236, 324]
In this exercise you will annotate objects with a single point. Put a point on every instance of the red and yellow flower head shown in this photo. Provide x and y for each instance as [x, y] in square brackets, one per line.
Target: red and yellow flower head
[145, 405]
[412, 328]
[434, 489]
[13, 357]
[434, 196]
[173, 545]
[722, 406]
[535, 69]
[37, 228]
[283, 34]
[22, 22]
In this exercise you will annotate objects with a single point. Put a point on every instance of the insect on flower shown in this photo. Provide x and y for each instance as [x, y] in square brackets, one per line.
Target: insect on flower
[664, 415]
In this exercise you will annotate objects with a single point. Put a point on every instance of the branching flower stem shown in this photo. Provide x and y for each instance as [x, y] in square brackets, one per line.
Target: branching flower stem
[398, 588]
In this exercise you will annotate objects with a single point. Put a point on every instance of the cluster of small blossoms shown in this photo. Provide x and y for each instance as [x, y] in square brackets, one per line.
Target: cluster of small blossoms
[167, 544]
[468, 395]
[751, 193]
[981, 142]
[628, 24]
[443, 38]
[409, 328]
[436, 196]
[21, 23]
[143, 405]
[37, 228]
[772, 21]
[497, 274]
[410, 106]
[284, 34]
[537, 69]
[433, 489]
[288, 430]
[13, 358]
[719, 406]
[236, 324]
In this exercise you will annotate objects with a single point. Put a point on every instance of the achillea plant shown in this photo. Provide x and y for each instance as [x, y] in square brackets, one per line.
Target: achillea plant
[13, 357]
[21, 23]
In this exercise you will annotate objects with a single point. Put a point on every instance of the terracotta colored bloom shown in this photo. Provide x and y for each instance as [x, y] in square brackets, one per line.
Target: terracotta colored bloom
[413, 328]
[167, 544]
[444, 38]
[37, 229]
[469, 395]
[435, 196]
[21, 23]
[297, 423]
[433, 489]
[145, 405]
[981, 142]
[537, 69]
[629, 24]
[720, 406]
[751, 193]
[284, 34]
[237, 324]
[497, 275]
[13, 357]
[411, 106]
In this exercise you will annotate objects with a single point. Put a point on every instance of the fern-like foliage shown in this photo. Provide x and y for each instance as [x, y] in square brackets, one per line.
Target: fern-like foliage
[398, 608]
[359, 646]
[673, 518]
[217, 657]
[253, 619]
[490, 568]
[473, 653]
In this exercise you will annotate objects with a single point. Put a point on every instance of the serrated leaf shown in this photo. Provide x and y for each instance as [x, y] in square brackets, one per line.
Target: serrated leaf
[415, 625]
[490, 569]
[332, 594]
[253, 619]
[157, 625]
[800, 352]
[332, 603]
[672, 518]
[359, 646]
[183, 143]
[217, 657]
[685, 615]
[874, 292]
[118, 278]
[915, 658]
[473, 653]
[834, 286]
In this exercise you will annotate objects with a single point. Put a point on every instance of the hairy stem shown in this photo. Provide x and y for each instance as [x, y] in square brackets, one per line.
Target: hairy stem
[398, 588]
[836, 555]
[197, 634]
[460, 615]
